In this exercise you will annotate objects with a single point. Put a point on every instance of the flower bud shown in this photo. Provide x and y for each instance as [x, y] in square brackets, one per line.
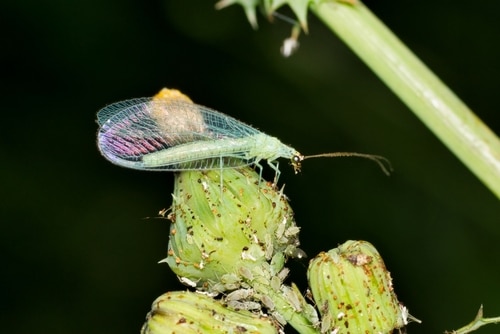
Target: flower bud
[353, 291]
[189, 312]
[226, 226]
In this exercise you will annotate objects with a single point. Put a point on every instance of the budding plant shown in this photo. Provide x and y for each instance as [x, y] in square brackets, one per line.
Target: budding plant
[229, 242]
[231, 234]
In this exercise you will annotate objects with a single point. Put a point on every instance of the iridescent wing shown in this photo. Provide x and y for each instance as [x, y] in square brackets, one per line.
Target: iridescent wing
[172, 135]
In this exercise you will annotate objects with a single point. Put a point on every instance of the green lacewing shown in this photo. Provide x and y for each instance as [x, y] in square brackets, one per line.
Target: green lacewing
[169, 132]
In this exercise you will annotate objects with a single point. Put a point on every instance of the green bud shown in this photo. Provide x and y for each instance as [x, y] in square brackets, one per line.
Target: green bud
[227, 227]
[189, 312]
[353, 291]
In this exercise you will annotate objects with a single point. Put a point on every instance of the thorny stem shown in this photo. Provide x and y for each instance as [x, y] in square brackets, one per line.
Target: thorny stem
[478, 322]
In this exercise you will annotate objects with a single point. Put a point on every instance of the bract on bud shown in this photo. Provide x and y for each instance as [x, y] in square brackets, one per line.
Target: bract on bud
[228, 225]
[189, 312]
[353, 291]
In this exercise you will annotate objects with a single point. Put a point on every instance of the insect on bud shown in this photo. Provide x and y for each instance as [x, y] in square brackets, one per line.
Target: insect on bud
[226, 224]
[353, 291]
[188, 312]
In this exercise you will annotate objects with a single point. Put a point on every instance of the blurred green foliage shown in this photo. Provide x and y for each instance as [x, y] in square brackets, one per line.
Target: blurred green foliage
[78, 255]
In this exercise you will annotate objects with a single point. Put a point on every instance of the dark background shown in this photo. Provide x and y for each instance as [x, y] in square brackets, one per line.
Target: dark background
[78, 255]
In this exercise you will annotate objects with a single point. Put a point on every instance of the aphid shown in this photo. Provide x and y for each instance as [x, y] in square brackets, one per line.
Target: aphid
[187, 281]
[292, 297]
[244, 305]
[267, 302]
[240, 294]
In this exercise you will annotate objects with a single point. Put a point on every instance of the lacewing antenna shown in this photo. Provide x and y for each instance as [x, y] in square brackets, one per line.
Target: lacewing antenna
[382, 162]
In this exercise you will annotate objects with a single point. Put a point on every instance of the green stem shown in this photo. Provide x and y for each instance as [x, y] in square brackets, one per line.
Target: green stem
[429, 98]
[478, 322]
[297, 319]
